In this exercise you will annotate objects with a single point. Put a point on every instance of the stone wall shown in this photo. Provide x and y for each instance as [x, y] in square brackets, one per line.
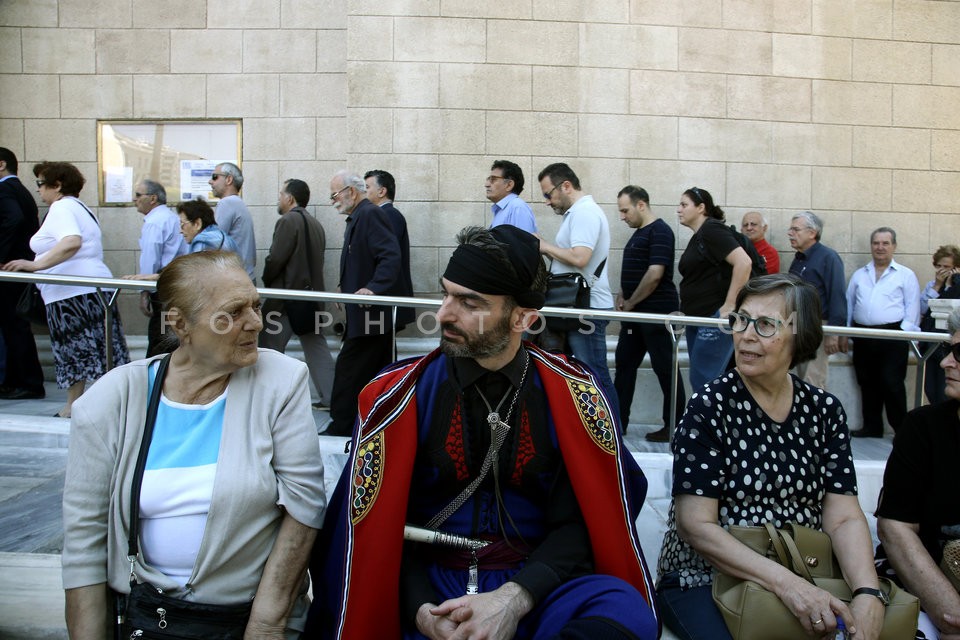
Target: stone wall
[846, 107]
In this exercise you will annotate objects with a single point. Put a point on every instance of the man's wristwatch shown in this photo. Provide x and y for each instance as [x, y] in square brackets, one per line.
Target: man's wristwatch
[876, 593]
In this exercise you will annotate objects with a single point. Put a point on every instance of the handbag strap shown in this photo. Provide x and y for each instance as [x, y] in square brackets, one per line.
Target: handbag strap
[799, 566]
[777, 544]
[148, 423]
[596, 273]
[79, 202]
[306, 242]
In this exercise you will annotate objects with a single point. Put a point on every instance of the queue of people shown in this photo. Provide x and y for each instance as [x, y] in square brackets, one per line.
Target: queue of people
[509, 504]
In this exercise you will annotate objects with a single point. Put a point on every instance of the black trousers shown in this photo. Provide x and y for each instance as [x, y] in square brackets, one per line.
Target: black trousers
[360, 359]
[636, 341]
[22, 361]
[881, 368]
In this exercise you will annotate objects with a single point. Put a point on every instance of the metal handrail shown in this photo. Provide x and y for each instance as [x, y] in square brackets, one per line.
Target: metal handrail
[673, 321]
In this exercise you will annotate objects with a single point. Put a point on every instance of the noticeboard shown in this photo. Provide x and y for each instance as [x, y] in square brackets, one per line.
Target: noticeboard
[179, 154]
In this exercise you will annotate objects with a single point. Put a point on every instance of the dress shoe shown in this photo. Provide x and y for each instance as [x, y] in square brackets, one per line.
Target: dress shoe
[663, 435]
[863, 433]
[9, 393]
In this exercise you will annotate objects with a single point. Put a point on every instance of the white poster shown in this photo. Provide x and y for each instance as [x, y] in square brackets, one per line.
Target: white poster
[195, 179]
[118, 184]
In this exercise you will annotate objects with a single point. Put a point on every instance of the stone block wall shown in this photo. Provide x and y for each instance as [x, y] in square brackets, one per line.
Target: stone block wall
[846, 107]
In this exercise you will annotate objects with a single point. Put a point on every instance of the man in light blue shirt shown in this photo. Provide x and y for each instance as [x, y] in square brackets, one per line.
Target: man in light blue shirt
[232, 214]
[503, 187]
[160, 242]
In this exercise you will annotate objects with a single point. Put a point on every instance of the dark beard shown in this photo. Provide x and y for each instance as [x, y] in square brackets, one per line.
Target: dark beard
[488, 343]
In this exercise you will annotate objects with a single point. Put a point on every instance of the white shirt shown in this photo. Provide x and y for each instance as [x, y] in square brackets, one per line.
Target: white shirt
[585, 225]
[68, 217]
[895, 297]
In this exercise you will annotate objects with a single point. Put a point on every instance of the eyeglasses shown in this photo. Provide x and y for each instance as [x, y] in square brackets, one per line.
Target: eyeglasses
[216, 176]
[955, 351]
[546, 195]
[40, 183]
[137, 194]
[495, 178]
[765, 326]
[336, 194]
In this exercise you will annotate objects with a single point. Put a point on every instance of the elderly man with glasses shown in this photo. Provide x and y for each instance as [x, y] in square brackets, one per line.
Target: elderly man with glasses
[819, 265]
[160, 242]
[370, 265]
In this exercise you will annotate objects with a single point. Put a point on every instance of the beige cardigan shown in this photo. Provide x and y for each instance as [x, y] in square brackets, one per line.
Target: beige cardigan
[269, 457]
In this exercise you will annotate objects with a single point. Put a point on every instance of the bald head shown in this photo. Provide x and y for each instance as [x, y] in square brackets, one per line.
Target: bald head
[754, 226]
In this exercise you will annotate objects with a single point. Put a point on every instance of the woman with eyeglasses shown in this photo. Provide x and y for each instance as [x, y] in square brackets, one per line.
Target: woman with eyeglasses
[70, 243]
[200, 230]
[919, 510]
[713, 266]
[760, 445]
[944, 286]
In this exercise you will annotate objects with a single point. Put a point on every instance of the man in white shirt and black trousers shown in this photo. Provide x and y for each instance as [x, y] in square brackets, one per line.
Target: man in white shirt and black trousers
[882, 295]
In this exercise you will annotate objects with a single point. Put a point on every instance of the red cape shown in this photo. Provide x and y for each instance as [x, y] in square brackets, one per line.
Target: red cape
[368, 544]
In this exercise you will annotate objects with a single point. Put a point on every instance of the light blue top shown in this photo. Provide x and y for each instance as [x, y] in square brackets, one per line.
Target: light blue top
[212, 238]
[513, 210]
[160, 239]
[234, 218]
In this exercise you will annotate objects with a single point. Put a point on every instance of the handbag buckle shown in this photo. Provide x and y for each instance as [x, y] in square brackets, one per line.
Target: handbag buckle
[812, 561]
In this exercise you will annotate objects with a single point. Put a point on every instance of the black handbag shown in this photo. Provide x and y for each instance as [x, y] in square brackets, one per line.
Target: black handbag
[30, 306]
[147, 611]
[569, 291]
[302, 314]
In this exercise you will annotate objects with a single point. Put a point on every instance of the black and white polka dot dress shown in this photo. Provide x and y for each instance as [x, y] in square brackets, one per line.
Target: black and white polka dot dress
[759, 470]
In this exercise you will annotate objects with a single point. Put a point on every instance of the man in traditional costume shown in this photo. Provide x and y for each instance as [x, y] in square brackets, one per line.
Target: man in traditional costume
[505, 462]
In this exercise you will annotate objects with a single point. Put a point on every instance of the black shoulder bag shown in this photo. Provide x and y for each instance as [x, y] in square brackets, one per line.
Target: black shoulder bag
[148, 612]
[302, 313]
[571, 291]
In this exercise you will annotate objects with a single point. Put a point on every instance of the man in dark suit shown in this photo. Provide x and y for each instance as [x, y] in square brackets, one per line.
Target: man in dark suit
[381, 190]
[370, 264]
[18, 222]
[296, 261]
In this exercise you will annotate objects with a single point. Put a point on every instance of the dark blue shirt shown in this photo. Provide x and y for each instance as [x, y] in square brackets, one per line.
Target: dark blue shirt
[821, 266]
[650, 245]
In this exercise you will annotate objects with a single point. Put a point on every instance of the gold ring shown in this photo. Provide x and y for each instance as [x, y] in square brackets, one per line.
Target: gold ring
[816, 622]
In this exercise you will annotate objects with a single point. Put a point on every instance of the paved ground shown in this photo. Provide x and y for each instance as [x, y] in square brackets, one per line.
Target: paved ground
[32, 460]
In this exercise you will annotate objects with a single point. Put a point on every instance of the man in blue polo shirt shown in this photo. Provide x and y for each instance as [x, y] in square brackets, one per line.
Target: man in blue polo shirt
[819, 265]
[646, 286]
[503, 188]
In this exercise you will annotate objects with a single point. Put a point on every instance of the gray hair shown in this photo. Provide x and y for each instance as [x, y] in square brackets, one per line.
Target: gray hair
[234, 172]
[813, 222]
[893, 234]
[351, 179]
[953, 321]
[154, 188]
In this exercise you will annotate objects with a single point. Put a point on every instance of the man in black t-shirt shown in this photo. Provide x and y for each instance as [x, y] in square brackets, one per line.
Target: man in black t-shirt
[919, 506]
[646, 285]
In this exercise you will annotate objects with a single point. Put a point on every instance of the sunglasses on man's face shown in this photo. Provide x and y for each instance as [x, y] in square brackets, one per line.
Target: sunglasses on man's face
[955, 351]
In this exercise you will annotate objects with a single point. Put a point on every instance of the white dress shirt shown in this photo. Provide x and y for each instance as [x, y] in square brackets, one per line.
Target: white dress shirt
[894, 297]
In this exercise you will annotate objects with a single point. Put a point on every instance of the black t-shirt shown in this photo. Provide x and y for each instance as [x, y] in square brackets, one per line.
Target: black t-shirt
[920, 480]
[705, 284]
[650, 245]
